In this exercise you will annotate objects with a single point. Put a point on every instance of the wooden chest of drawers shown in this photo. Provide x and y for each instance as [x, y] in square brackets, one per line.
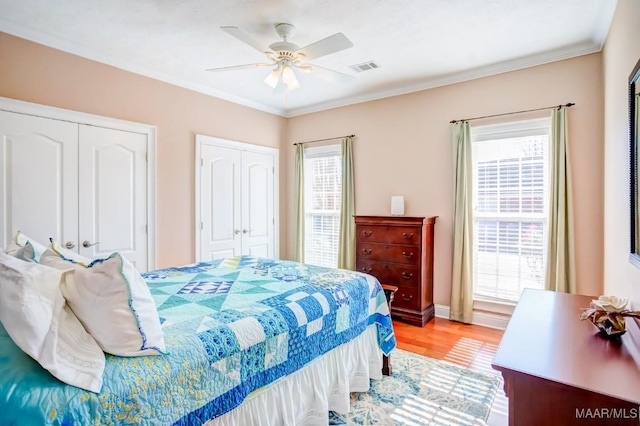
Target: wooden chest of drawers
[398, 250]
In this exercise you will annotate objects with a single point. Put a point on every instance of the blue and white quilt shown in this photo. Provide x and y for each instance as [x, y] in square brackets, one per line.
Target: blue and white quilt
[231, 326]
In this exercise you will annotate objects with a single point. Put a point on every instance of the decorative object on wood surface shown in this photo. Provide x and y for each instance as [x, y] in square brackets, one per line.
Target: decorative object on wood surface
[397, 205]
[608, 314]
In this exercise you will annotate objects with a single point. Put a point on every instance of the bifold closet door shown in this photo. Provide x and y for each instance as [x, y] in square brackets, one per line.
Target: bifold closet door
[113, 194]
[38, 178]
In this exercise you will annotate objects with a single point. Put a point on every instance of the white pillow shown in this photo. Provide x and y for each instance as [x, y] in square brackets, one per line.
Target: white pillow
[25, 248]
[34, 314]
[61, 258]
[114, 304]
[27, 252]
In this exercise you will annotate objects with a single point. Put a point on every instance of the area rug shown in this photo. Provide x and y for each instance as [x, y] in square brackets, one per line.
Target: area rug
[423, 391]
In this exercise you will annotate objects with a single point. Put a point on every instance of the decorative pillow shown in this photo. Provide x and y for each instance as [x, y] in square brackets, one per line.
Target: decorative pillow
[114, 304]
[34, 314]
[61, 258]
[25, 248]
[27, 252]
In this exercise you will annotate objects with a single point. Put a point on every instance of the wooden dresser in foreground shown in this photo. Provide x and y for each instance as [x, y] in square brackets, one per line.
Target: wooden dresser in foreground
[558, 371]
[398, 251]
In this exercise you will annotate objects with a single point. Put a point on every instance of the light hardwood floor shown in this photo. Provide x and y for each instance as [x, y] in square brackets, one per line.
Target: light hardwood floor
[469, 346]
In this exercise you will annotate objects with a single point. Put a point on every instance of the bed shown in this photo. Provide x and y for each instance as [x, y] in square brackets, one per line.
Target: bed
[249, 340]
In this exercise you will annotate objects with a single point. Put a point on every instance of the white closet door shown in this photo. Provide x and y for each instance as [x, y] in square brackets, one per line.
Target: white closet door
[220, 208]
[38, 178]
[113, 194]
[257, 204]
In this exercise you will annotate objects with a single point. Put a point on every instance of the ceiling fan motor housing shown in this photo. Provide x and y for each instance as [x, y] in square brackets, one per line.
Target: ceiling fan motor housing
[284, 47]
[284, 30]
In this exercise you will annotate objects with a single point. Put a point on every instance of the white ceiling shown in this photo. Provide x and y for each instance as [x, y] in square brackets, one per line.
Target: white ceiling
[418, 44]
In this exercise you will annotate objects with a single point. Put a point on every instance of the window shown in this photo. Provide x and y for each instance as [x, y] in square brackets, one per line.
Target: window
[510, 192]
[323, 195]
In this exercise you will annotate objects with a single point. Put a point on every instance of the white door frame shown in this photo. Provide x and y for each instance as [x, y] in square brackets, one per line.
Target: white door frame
[44, 111]
[242, 146]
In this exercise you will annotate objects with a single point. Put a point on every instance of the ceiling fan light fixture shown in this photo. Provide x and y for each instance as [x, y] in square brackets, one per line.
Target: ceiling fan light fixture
[288, 76]
[293, 85]
[273, 78]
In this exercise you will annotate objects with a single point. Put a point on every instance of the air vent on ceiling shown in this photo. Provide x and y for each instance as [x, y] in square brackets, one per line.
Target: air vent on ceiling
[365, 66]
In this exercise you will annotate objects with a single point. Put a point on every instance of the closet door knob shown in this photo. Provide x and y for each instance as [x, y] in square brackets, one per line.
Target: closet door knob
[236, 231]
[244, 231]
[87, 243]
[69, 244]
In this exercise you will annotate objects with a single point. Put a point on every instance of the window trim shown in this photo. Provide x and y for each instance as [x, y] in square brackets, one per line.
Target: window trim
[498, 131]
[512, 129]
[330, 150]
[322, 151]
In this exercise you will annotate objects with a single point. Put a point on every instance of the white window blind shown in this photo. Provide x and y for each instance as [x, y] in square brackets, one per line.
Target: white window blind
[323, 195]
[510, 192]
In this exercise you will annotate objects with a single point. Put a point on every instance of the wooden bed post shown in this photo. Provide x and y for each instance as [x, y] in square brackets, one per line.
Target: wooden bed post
[389, 292]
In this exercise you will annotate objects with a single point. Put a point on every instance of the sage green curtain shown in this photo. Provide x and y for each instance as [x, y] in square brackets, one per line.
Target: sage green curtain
[461, 305]
[299, 200]
[560, 271]
[347, 239]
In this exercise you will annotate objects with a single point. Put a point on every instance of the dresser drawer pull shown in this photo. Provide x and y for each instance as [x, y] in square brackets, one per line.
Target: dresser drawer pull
[408, 256]
[405, 298]
[366, 270]
[366, 251]
[407, 236]
[407, 276]
[367, 233]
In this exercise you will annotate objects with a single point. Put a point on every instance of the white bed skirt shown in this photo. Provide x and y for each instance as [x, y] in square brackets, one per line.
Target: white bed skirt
[306, 396]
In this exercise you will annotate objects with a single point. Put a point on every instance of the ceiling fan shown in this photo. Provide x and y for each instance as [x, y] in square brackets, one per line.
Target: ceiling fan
[286, 56]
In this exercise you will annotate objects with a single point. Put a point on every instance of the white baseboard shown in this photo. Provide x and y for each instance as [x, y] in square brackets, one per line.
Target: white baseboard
[485, 319]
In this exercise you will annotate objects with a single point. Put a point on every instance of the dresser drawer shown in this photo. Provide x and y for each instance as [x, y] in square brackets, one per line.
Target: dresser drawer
[389, 253]
[407, 298]
[391, 273]
[408, 235]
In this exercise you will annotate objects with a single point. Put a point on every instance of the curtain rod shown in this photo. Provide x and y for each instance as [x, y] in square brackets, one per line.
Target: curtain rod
[570, 104]
[327, 139]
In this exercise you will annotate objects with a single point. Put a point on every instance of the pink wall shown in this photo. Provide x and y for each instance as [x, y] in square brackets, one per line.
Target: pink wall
[34, 73]
[403, 147]
[620, 55]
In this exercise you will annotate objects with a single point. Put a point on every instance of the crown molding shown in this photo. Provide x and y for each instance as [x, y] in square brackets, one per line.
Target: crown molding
[487, 71]
[605, 14]
[78, 50]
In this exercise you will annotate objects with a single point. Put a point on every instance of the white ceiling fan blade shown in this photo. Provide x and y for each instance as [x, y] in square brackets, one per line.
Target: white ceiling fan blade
[326, 46]
[246, 38]
[240, 67]
[329, 75]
